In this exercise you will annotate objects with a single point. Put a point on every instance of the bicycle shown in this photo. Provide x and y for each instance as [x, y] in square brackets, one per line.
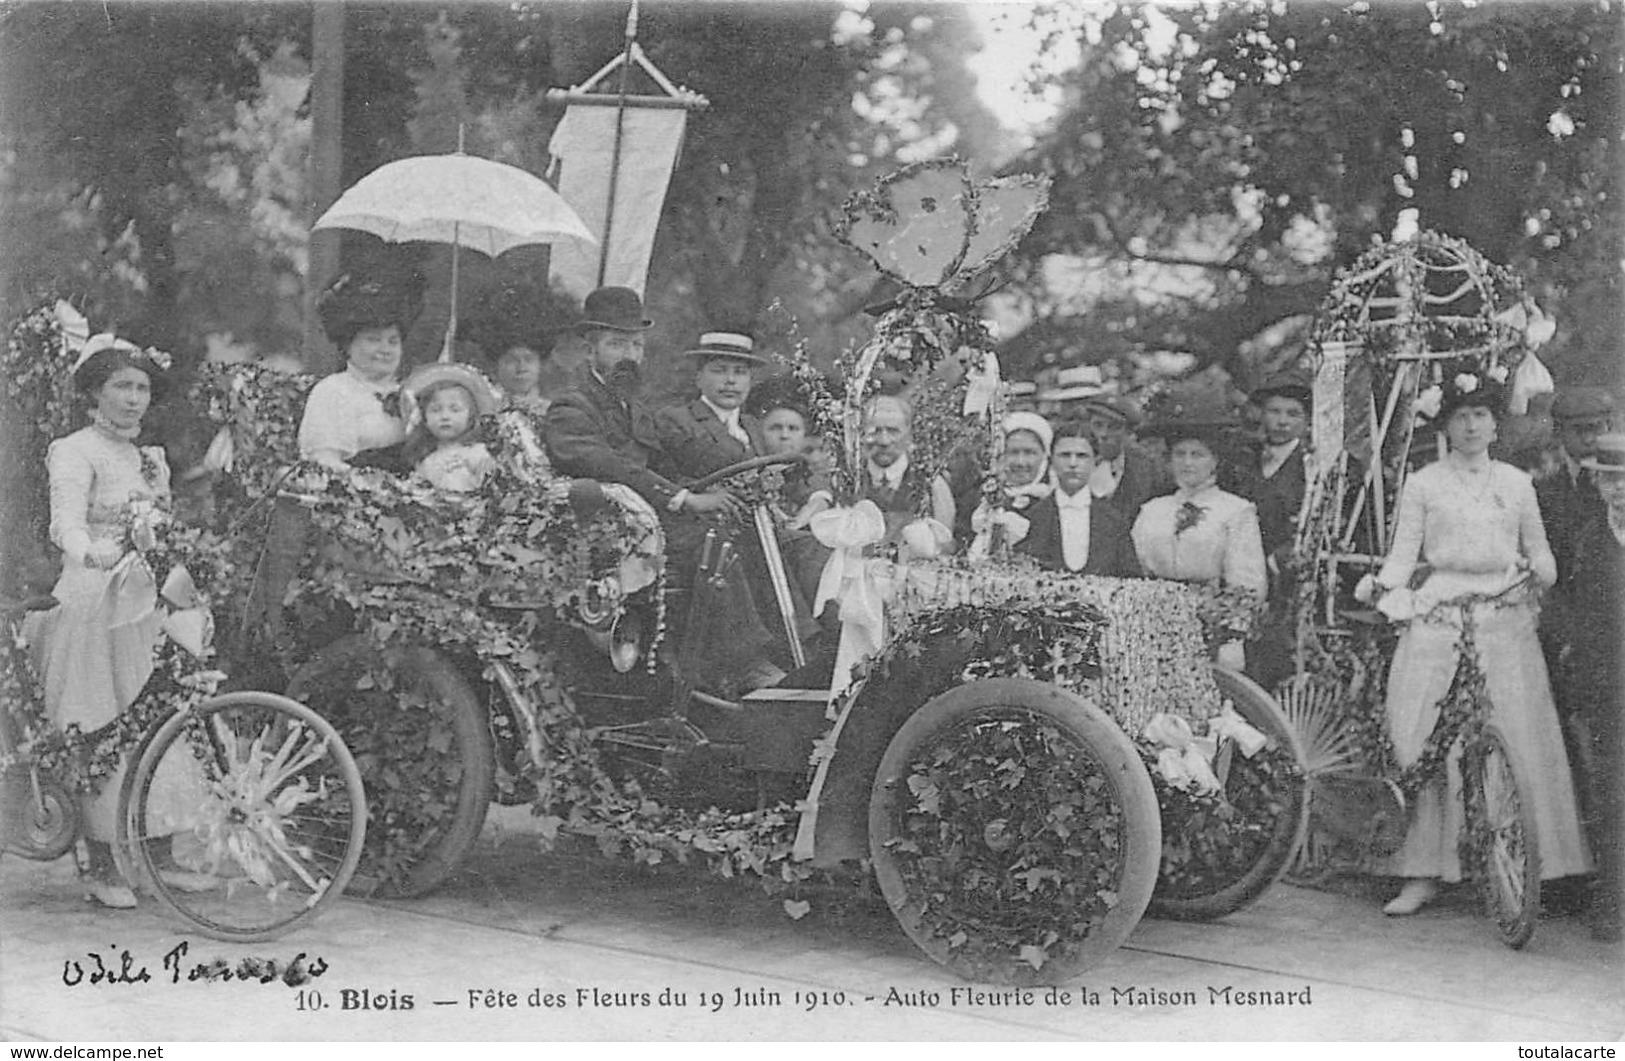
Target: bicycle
[276, 812]
[1499, 846]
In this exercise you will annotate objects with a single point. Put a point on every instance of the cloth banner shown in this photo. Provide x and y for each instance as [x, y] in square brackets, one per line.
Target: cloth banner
[583, 146]
[1327, 438]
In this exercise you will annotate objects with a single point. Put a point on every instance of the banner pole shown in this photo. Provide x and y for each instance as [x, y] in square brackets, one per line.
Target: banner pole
[615, 154]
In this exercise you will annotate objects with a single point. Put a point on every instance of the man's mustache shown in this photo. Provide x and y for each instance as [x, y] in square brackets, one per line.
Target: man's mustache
[625, 375]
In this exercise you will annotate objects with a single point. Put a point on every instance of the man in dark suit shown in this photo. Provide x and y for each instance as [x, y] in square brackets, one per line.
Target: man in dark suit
[603, 430]
[1586, 616]
[1069, 530]
[1278, 464]
[1126, 475]
[1275, 479]
[891, 479]
[711, 432]
[1568, 496]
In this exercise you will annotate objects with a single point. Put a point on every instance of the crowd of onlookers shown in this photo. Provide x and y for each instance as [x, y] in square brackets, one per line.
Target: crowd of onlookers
[1103, 491]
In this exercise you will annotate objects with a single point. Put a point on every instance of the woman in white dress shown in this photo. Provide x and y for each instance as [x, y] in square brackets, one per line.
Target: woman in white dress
[1470, 525]
[92, 668]
[359, 409]
[1200, 533]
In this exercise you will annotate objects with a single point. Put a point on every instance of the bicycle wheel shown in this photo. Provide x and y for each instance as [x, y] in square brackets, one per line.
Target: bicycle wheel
[258, 804]
[1501, 823]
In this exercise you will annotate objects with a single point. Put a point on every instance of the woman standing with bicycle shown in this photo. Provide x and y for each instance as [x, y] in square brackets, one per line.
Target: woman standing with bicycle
[92, 659]
[1469, 526]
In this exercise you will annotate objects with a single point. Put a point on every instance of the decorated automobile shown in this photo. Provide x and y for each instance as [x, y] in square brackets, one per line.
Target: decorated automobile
[1028, 761]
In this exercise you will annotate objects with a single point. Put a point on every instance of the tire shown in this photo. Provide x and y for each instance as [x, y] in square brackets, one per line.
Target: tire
[42, 829]
[1087, 756]
[280, 816]
[1508, 865]
[426, 756]
[1285, 827]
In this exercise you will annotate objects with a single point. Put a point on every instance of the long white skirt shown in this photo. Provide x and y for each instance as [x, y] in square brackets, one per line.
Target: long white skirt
[1424, 663]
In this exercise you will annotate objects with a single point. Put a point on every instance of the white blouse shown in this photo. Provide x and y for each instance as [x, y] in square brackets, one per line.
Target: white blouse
[94, 477]
[1471, 525]
[1214, 540]
[344, 415]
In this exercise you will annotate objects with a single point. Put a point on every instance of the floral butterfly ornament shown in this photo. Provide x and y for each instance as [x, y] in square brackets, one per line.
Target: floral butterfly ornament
[930, 226]
[933, 231]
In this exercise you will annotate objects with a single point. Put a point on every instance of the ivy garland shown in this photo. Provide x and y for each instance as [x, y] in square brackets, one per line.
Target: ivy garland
[1011, 841]
[1209, 841]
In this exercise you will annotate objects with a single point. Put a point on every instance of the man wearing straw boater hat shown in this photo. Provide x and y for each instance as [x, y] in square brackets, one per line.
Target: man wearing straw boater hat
[713, 431]
[603, 430]
[1587, 614]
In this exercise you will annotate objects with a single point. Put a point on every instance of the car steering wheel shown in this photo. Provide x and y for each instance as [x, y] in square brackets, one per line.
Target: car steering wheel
[747, 465]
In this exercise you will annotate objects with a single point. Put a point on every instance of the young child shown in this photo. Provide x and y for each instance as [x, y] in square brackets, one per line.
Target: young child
[444, 445]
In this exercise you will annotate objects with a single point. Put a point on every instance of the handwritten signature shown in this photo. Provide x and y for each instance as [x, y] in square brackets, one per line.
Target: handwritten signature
[122, 969]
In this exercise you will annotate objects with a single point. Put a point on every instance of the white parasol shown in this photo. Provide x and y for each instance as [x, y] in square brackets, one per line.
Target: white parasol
[459, 199]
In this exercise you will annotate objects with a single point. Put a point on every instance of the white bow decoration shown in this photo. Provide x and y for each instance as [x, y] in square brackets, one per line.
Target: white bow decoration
[1531, 378]
[1227, 724]
[222, 452]
[1182, 758]
[924, 539]
[190, 624]
[982, 386]
[984, 519]
[73, 325]
[848, 580]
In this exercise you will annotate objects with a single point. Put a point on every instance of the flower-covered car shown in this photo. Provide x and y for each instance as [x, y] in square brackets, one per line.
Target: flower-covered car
[1027, 760]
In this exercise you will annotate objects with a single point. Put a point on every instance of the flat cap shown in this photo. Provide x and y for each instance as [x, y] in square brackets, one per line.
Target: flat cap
[1582, 403]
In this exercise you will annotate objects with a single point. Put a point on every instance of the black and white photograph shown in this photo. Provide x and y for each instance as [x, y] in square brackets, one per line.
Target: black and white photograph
[812, 520]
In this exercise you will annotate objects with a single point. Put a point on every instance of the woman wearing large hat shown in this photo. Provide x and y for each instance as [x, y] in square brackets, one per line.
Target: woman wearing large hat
[1469, 525]
[359, 408]
[1200, 533]
[93, 661]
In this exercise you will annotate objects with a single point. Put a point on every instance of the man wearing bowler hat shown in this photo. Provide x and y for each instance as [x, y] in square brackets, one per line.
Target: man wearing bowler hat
[1126, 476]
[603, 430]
[1568, 496]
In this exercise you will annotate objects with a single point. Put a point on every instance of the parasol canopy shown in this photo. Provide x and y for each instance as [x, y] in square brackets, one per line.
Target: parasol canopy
[463, 200]
[460, 199]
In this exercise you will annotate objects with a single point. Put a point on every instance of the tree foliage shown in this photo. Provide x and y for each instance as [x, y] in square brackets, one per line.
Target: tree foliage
[1256, 147]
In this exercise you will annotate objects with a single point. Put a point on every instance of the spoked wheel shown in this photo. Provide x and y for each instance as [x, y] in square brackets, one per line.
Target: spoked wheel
[1235, 860]
[41, 823]
[244, 817]
[423, 742]
[1014, 832]
[1501, 829]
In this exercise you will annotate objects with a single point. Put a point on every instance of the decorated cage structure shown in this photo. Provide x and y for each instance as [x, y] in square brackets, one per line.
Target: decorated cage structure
[1401, 321]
